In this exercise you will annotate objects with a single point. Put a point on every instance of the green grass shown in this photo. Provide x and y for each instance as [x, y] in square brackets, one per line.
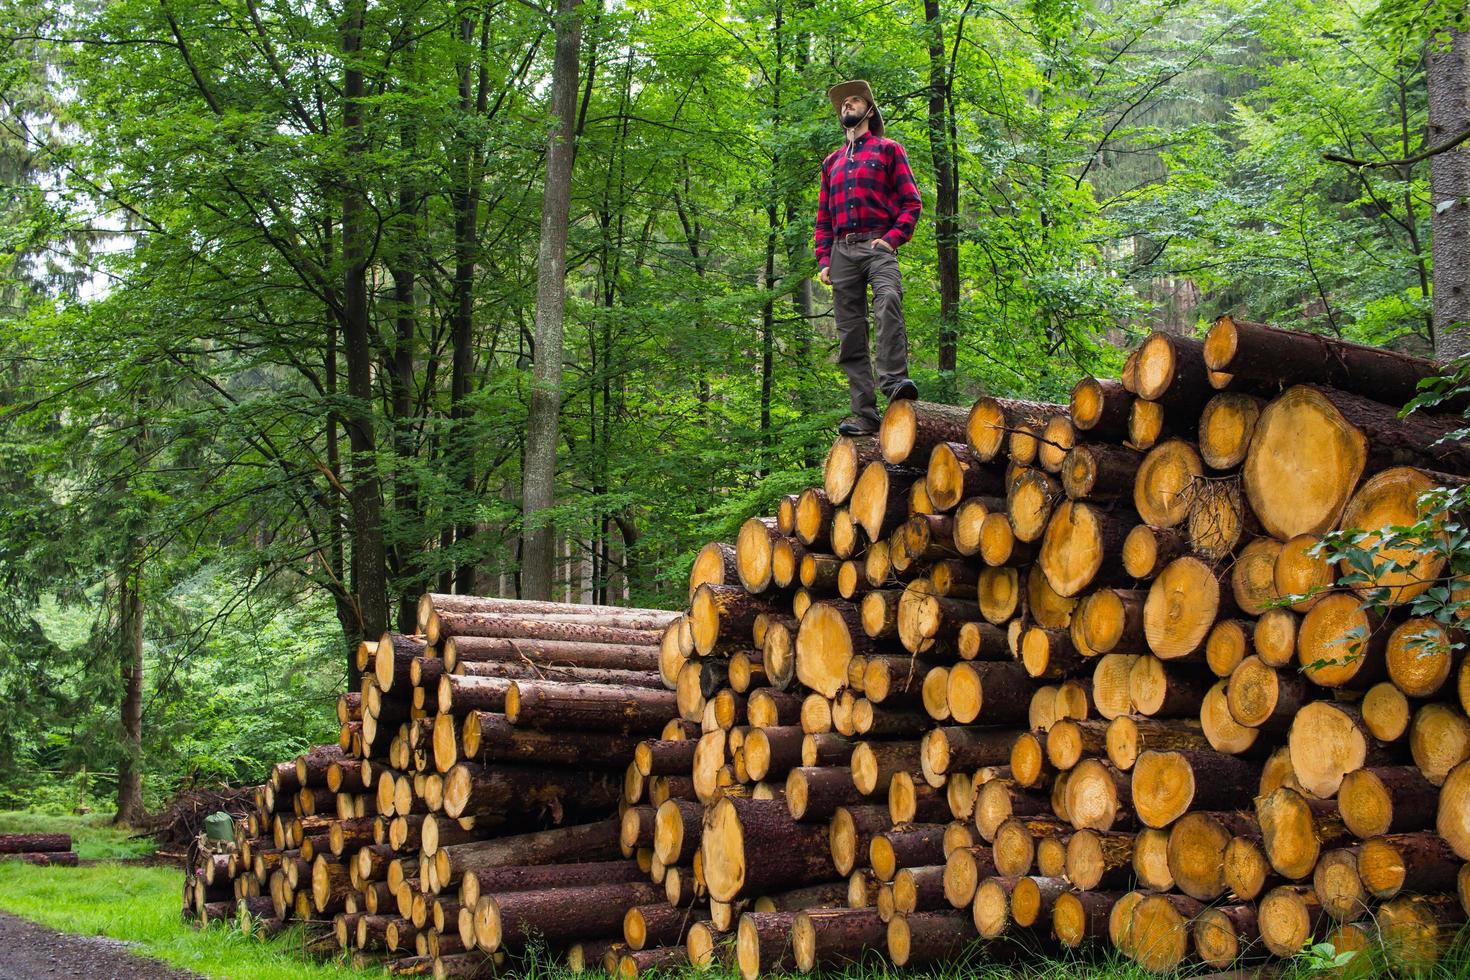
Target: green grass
[93, 837]
[141, 904]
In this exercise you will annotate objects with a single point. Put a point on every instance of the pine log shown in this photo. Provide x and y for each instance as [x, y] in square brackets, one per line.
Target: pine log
[459, 624]
[1156, 934]
[1225, 428]
[1418, 930]
[814, 518]
[1282, 357]
[1077, 917]
[1079, 547]
[1295, 830]
[34, 843]
[830, 635]
[1096, 795]
[955, 473]
[1099, 860]
[460, 651]
[999, 592]
[1069, 741]
[1420, 862]
[1229, 643]
[879, 501]
[992, 693]
[1183, 603]
[1057, 439]
[1225, 933]
[1166, 785]
[1127, 737]
[1030, 499]
[595, 707]
[1196, 850]
[723, 616]
[1163, 490]
[1385, 501]
[506, 789]
[998, 800]
[909, 845]
[587, 842]
[1289, 918]
[1313, 445]
[1049, 654]
[1166, 690]
[1387, 800]
[850, 834]
[928, 937]
[815, 794]
[790, 854]
[845, 460]
[558, 915]
[1100, 407]
[1100, 472]
[992, 420]
[1172, 372]
[1148, 550]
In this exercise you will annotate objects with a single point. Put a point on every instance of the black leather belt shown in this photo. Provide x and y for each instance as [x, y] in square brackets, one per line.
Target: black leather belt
[853, 237]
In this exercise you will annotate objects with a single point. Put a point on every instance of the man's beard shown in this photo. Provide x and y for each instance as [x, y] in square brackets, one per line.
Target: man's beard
[851, 119]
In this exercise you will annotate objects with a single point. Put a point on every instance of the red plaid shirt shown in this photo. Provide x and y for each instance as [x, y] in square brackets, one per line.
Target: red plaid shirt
[866, 187]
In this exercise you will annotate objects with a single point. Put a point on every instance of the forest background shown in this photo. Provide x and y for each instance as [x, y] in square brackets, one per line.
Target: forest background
[270, 269]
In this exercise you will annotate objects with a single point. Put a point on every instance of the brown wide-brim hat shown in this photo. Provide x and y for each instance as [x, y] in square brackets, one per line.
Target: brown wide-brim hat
[842, 91]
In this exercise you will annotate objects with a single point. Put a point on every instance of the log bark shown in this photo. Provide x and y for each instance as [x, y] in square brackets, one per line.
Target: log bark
[470, 788]
[558, 915]
[1286, 357]
[763, 943]
[929, 937]
[34, 843]
[592, 707]
[459, 651]
[459, 624]
[835, 937]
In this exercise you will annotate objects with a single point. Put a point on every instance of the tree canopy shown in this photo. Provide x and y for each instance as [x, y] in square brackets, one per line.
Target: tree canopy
[270, 278]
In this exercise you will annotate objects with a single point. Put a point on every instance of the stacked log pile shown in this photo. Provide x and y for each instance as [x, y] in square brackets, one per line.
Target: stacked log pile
[1077, 674]
[471, 803]
[1073, 674]
[37, 848]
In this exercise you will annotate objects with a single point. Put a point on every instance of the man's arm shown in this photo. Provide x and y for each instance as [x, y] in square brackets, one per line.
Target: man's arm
[823, 234]
[901, 183]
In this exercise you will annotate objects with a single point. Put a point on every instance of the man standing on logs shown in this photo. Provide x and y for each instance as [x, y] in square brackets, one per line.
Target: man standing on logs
[868, 207]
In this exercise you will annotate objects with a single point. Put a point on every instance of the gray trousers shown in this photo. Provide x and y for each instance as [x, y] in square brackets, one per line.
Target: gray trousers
[853, 268]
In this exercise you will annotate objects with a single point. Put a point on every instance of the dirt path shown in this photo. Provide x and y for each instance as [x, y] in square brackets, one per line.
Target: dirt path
[28, 951]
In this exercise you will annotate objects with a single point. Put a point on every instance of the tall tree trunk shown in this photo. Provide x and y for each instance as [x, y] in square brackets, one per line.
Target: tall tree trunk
[946, 196]
[130, 644]
[405, 273]
[472, 103]
[366, 499]
[1448, 80]
[538, 494]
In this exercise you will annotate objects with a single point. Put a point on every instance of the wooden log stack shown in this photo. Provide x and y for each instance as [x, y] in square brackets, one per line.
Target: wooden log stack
[45, 849]
[473, 797]
[1069, 674]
